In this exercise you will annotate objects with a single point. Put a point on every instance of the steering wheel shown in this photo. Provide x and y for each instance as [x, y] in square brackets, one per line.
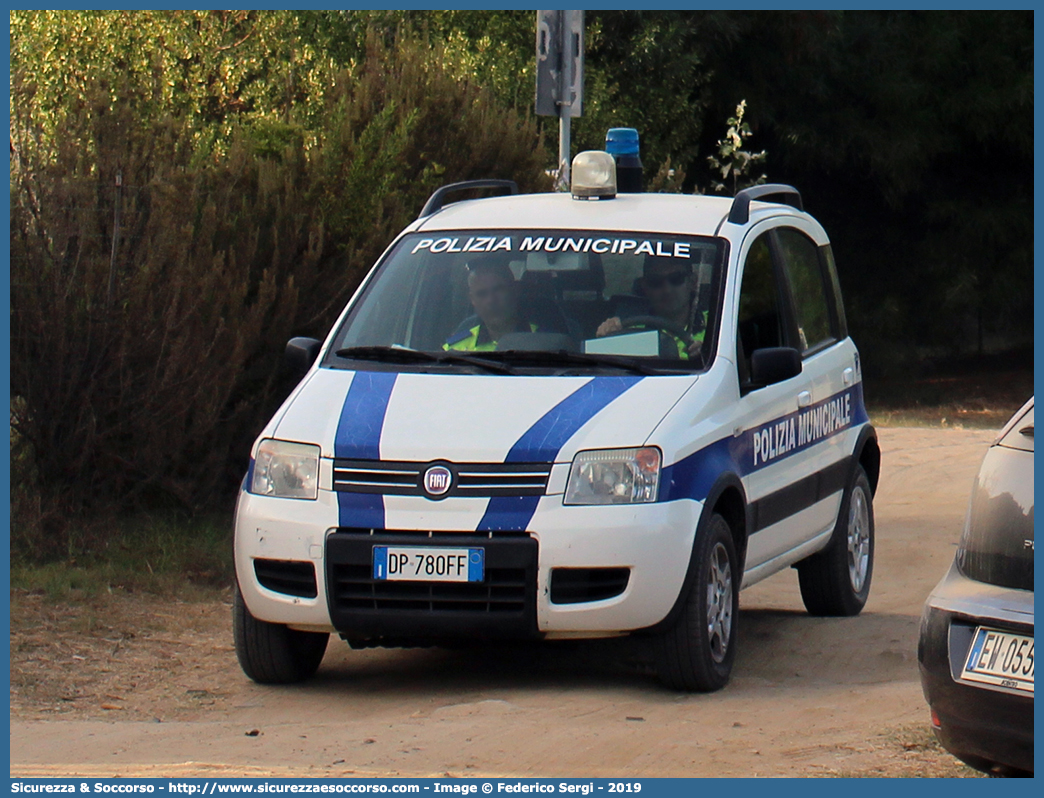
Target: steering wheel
[660, 323]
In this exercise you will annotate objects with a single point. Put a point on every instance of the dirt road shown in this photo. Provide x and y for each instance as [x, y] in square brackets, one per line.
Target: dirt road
[131, 686]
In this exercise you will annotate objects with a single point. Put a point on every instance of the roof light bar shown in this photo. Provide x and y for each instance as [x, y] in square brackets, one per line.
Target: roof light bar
[593, 175]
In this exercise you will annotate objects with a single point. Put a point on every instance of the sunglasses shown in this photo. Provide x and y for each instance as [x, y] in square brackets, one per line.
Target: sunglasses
[659, 281]
[484, 293]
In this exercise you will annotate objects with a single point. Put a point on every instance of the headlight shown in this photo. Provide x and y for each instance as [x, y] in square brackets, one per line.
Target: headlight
[289, 470]
[614, 476]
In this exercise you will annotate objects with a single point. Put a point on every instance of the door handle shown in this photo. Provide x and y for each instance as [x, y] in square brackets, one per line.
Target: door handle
[804, 399]
[846, 376]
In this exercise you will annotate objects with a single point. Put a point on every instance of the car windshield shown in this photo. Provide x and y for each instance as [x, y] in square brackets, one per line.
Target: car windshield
[579, 297]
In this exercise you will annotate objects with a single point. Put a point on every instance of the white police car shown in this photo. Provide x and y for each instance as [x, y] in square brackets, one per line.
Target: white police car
[565, 416]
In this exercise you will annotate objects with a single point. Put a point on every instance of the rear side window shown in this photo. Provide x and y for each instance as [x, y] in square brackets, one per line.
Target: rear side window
[800, 258]
[835, 286]
[1020, 436]
[997, 544]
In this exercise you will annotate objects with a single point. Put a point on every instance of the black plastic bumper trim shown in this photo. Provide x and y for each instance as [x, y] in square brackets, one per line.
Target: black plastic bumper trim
[365, 609]
[292, 577]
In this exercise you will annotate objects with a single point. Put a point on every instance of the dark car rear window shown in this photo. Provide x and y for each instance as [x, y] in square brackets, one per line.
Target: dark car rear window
[997, 544]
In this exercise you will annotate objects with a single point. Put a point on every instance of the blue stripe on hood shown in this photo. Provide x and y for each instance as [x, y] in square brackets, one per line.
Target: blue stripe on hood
[542, 442]
[359, 438]
[362, 416]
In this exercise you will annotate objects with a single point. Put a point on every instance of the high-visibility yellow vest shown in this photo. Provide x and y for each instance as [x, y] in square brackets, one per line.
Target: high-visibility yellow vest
[476, 339]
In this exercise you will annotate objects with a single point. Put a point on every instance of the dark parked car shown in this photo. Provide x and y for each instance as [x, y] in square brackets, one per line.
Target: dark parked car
[976, 646]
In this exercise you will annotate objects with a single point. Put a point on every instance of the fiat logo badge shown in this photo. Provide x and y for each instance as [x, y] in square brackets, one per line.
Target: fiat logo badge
[438, 480]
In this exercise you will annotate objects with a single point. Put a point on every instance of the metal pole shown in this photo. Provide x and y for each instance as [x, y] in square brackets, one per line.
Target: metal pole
[564, 162]
[565, 102]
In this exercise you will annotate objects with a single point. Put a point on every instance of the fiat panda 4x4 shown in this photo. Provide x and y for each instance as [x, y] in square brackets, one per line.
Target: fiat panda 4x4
[565, 415]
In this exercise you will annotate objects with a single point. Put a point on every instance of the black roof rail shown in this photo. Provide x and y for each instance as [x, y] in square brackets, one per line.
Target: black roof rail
[438, 199]
[740, 212]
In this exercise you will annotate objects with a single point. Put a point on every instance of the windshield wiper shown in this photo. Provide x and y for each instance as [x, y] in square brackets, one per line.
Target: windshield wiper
[494, 361]
[386, 353]
[563, 358]
[402, 354]
[457, 357]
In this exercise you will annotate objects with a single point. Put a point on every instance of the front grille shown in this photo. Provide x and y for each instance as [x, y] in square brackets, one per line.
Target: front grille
[482, 480]
[363, 608]
[577, 585]
[504, 590]
[287, 576]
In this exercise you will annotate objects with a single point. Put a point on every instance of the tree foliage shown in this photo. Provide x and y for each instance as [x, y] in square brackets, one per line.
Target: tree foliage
[152, 392]
[911, 138]
[267, 157]
[910, 135]
[732, 162]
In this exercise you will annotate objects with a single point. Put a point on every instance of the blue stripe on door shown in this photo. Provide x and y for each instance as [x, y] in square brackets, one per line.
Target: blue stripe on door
[692, 477]
[359, 438]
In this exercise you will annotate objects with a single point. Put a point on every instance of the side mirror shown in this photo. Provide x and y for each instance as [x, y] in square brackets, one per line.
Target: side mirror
[775, 364]
[301, 354]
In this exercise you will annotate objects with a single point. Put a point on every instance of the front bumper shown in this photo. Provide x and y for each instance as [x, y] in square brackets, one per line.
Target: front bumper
[652, 542]
[987, 727]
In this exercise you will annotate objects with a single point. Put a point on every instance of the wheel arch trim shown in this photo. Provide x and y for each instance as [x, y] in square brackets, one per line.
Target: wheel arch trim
[727, 488]
[867, 453]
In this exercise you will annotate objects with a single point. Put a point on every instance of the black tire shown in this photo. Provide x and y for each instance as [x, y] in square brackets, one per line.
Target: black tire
[829, 579]
[696, 654]
[271, 653]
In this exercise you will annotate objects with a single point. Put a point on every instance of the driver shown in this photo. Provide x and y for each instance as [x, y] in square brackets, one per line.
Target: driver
[494, 296]
[670, 287]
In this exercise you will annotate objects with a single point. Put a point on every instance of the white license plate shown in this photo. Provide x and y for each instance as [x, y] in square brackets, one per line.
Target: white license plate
[426, 564]
[1000, 658]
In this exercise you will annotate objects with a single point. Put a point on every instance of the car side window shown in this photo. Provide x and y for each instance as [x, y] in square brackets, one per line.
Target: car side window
[839, 306]
[800, 258]
[760, 321]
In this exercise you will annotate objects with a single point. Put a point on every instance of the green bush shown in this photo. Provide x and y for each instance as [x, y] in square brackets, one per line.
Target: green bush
[144, 363]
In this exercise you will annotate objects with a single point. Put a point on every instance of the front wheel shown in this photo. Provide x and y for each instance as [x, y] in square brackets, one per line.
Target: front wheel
[836, 581]
[271, 653]
[697, 651]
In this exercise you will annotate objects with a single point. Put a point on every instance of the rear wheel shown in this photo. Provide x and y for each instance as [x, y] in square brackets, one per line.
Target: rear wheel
[697, 651]
[836, 581]
[271, 653]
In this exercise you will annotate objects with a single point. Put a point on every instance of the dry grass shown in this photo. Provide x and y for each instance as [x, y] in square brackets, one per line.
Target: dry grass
[909, 752]
[119, 656]
[964, 399]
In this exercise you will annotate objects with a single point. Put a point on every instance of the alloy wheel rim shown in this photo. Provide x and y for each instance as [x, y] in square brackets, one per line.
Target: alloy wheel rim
[858, 540]
[719, 603]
